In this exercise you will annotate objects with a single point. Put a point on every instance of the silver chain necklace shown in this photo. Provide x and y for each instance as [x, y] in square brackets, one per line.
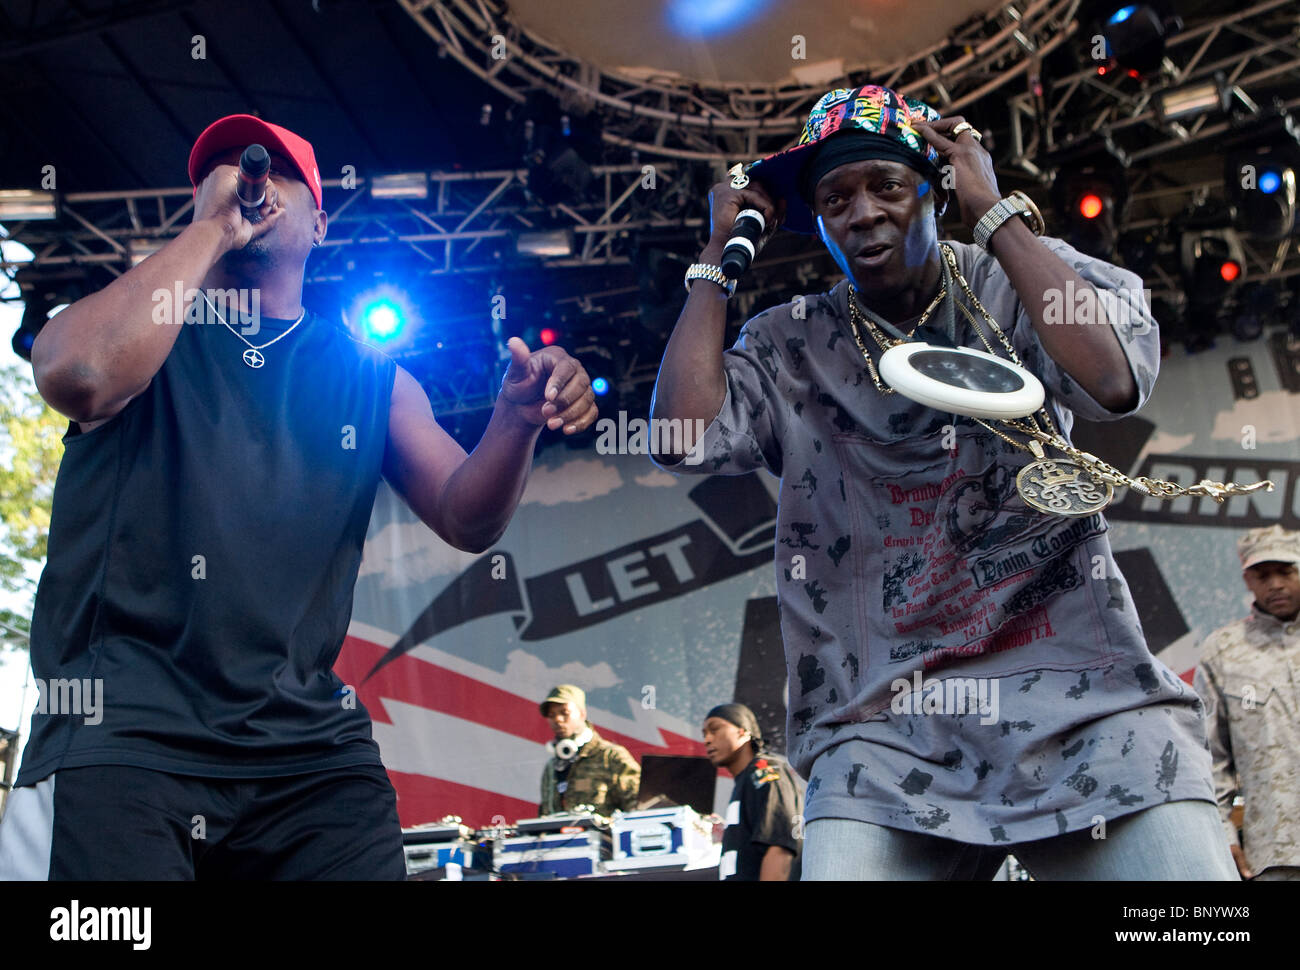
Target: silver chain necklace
[253, 356]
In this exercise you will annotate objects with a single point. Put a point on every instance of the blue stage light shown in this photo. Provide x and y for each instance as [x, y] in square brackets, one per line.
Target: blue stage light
[1270, 182]
[382, 320]
[701, 18]
[1122, 14]
[600, 386]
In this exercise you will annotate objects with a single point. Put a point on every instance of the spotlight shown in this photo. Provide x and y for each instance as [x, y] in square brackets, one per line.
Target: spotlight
[382, 320]
[1260, 163]
[1135, 34]
[1213, 265]
[1090, 193]
[381, 315]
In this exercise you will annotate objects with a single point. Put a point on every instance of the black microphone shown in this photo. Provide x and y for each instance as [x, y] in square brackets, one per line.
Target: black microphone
[251, 181]
[739, 251]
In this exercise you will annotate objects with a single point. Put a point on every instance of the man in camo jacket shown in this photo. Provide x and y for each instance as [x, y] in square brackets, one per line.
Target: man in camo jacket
[584, 768]
[1249, 675]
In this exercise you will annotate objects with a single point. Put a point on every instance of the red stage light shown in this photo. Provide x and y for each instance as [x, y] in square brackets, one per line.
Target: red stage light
[1230, 270]
[1090, 206]
[548, 336]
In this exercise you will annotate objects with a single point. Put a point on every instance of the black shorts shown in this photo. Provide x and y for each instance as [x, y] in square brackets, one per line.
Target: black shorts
[112, 822]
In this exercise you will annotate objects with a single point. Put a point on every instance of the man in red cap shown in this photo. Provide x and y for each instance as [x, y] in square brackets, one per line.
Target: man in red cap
[968, 676]
[208, 522]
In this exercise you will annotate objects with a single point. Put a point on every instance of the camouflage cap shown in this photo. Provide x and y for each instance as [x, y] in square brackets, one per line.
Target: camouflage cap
[565, 694]
[1273, 544]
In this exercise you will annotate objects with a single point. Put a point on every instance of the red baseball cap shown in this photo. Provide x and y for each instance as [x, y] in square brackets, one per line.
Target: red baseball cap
[240, 131]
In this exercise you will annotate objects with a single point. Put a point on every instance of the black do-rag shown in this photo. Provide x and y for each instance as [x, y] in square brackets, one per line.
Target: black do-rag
[858, 146]
[742, 717]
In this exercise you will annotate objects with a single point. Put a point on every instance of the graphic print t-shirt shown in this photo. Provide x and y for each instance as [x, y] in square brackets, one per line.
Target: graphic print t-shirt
[903, 548]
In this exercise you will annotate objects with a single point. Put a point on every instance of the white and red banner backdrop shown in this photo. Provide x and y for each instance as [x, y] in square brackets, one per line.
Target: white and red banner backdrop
[656, 593]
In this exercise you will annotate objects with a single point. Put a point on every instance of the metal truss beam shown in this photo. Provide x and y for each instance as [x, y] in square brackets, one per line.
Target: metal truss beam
[703, 121]
[446, 230]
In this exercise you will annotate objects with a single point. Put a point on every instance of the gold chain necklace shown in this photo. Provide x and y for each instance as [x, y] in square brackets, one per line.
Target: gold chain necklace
[856, 316]
[1079, 484]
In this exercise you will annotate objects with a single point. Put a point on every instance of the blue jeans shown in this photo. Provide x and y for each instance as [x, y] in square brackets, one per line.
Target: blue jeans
[1181, 840]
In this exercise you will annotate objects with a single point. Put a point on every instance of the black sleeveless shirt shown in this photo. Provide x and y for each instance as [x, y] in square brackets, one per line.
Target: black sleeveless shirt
[203, 548]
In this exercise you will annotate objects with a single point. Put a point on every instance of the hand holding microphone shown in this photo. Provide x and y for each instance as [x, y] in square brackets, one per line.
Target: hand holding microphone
[227, 193]
[739, 252]
[743, 217]
[254, 165]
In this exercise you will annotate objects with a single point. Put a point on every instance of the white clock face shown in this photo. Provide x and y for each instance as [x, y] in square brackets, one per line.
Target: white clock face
[959, 380]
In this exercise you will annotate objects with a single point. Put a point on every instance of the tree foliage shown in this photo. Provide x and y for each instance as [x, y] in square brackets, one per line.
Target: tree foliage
[31, 448]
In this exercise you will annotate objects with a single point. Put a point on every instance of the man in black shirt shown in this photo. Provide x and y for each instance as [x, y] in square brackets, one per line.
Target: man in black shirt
[208, 522]
[761, 840]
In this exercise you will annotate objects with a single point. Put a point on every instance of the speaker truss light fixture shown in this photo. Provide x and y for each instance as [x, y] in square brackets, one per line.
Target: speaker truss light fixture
[1197, 98]
[403, 185]
[551, 242]
[27, 205]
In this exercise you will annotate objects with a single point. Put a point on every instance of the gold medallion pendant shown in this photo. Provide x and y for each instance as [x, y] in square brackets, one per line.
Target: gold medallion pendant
[1061, 486]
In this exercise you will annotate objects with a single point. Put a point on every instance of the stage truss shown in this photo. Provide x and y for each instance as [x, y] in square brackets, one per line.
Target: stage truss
[688, 133]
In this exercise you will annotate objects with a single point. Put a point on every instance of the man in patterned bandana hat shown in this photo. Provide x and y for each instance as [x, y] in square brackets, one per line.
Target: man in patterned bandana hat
[968, 676]
[1246, 675]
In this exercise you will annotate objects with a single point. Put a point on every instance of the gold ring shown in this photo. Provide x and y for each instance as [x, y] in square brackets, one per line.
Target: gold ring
[967, 126]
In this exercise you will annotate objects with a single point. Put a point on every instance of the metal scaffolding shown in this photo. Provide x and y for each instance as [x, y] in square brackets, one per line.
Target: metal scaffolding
[677, 136]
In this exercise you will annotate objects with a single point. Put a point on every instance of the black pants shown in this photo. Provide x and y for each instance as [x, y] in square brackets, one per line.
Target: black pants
[133, 823]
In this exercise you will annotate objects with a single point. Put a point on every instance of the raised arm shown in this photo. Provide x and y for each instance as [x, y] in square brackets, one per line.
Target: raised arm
[691, 384]
[91, 359]
[469, 499]
[1092, 356]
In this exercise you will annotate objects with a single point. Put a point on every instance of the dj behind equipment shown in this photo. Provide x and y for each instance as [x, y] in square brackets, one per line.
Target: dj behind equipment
[585, 769]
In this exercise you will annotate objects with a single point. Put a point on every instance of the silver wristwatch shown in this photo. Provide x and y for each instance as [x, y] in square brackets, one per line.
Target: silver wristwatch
[714, 274]
[1015, 204]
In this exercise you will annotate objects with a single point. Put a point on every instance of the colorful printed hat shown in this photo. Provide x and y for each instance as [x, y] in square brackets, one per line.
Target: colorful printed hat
[879, 113]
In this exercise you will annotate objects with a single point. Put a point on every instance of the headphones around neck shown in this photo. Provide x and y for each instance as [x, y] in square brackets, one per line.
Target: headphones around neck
[566, 749]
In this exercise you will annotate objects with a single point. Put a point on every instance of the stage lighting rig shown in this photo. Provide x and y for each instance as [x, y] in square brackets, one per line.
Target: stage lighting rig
[1090, 194]
[1131, 36]
[1138, 248]
[1213, 265]
[1260, 164]
[45, 292]
[559, 144]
